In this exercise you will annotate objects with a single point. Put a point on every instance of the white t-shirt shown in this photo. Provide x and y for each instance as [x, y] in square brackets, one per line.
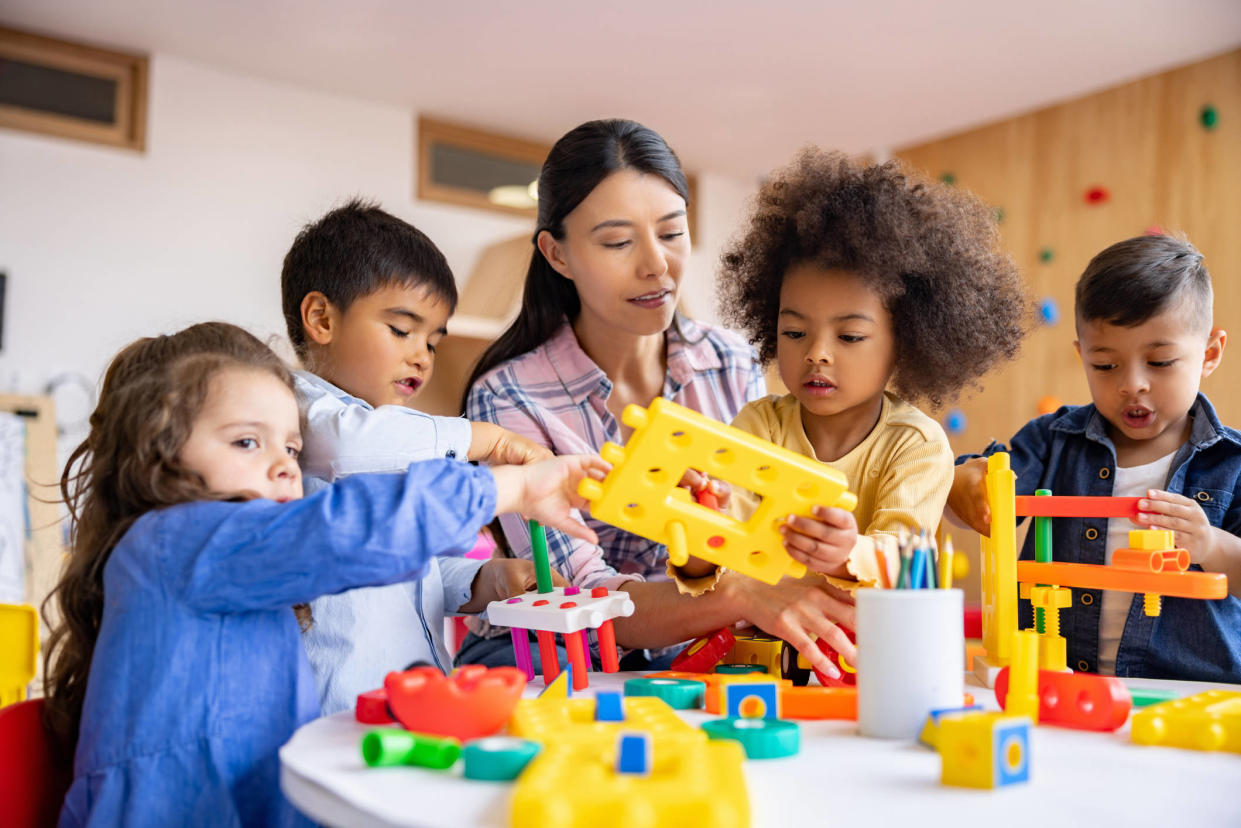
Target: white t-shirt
[1134, 481]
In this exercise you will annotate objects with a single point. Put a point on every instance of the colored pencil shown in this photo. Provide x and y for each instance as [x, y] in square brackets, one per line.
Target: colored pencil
[945, 564]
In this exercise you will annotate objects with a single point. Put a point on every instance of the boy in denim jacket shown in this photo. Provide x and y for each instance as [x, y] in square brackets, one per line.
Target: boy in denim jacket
[1146, 340]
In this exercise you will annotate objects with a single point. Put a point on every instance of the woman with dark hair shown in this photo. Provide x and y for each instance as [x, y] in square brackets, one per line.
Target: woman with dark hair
[598, 330]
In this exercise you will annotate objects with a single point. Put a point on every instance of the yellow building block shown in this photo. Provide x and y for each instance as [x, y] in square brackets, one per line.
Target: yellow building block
[999, 563]
[572, 722]
[984, 750]
[640, 494]
[19, 651]
[690, 783]
[1023, 676]
[1152, 539]
[1207, 721]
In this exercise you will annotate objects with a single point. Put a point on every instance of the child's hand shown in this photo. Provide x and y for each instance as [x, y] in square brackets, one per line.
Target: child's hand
[501, 578]
[697, 482]
[496, 446]
[1192, 531]
[823, 542]
[546, 491]
[800, 610]
[968, 496]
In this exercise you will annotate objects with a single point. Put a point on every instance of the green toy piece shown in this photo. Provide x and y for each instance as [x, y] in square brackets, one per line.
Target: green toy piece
[498, 758]
[679, 694]
[382, 748]
[1042, 552]
[760, 738]
[740, 669]
[542, 566]
[1146, 696]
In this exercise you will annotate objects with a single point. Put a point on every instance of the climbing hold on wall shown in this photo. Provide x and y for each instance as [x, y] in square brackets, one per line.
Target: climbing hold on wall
[1046, 255]
[1048, 404]
[954, 422]
[999, 215]
[1048, 311]
[1096, 195]
[1209, 117]
[1153, 230]
[948, 178]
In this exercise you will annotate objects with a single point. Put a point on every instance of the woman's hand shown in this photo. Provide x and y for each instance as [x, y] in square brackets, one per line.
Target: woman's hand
[799, 610]
[547, 491]
[822, 542]
[501, 578]
[967, 499]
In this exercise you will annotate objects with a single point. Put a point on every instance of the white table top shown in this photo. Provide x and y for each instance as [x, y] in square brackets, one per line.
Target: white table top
[1077, 778]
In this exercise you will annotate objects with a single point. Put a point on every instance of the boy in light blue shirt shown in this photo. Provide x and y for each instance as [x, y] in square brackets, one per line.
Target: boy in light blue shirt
[366, 300]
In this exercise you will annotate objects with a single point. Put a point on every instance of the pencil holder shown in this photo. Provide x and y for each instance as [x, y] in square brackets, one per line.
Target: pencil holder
[911, 658]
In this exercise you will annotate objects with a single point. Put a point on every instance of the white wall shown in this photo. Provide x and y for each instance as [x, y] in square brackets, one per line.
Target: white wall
[103, 245]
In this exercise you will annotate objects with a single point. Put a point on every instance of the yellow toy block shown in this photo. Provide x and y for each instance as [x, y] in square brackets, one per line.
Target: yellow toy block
[572, 722]
[984, 750]
[19, 651]
[999, 565]
[690, 783]
[1023, 676]
[1207, 721]
[640, 494]
[1152, 539]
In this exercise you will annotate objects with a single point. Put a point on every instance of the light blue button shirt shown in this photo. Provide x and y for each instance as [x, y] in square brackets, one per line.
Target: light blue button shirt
[359, 636]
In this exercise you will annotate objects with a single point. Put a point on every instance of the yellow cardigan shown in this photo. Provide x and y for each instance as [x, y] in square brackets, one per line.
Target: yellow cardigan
[901, 474]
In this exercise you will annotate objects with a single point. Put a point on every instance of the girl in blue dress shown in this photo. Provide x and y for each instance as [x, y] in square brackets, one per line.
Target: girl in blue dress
[175, 671]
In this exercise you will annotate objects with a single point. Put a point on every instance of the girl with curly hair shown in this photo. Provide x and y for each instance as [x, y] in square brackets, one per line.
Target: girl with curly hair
[872, 289]
[177, 670]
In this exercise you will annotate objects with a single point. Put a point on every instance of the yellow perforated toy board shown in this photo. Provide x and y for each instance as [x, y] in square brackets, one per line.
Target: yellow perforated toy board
[572, 722]
[691, 783]
[640, 494]
[1207, 721]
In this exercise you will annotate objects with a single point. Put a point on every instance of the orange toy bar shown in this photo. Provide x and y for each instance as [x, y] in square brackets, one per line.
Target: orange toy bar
[1092, 576]
[1076, 506]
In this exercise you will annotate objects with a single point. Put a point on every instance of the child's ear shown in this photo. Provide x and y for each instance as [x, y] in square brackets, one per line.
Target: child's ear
[554, 254]
[1215, 351]
[319, 318]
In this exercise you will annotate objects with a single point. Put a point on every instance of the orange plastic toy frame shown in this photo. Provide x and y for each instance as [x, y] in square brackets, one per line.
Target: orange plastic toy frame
[1200, 585]
[474, 701]
[1080, 701]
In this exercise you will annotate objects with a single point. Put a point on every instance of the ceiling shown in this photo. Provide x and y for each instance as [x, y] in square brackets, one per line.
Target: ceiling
[734, 85]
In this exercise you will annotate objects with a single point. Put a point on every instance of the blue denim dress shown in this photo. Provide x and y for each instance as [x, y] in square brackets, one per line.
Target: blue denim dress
[199, 675]
[1070, 453]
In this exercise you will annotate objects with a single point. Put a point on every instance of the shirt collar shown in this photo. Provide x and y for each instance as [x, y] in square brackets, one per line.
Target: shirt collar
[1206, 429]
[689, 353]
[321, 386]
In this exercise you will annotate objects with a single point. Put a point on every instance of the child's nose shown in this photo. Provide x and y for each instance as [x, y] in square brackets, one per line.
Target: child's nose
[819, 352]
[1135, 381]
[284, 466]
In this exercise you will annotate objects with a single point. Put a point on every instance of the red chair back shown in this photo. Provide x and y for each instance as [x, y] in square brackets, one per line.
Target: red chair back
[32, 786]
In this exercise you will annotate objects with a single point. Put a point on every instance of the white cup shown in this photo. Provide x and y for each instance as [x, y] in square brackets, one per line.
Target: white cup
[911, 658]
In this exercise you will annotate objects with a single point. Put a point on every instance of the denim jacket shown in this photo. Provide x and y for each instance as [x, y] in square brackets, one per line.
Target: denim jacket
[1070, 453]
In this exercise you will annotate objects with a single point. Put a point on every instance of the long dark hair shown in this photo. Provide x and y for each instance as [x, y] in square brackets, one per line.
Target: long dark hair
[574, 167]
[127, 466]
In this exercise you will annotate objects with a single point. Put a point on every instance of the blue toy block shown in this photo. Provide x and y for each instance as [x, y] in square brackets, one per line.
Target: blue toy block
[766, 692]
[1012, 753]
[609, 706]
[633, 754]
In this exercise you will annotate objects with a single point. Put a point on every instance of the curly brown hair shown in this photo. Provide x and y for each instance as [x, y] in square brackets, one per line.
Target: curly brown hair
[930, 251]
[127, 466]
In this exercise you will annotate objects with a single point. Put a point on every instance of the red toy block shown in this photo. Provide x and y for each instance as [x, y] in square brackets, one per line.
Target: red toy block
[702, 654]
[474, 701]
[1074, 506]
[1081, 701]
[848, 676]
[372, 707]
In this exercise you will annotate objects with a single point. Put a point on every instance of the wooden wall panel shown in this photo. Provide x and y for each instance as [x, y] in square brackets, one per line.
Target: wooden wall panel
[1144, 142]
